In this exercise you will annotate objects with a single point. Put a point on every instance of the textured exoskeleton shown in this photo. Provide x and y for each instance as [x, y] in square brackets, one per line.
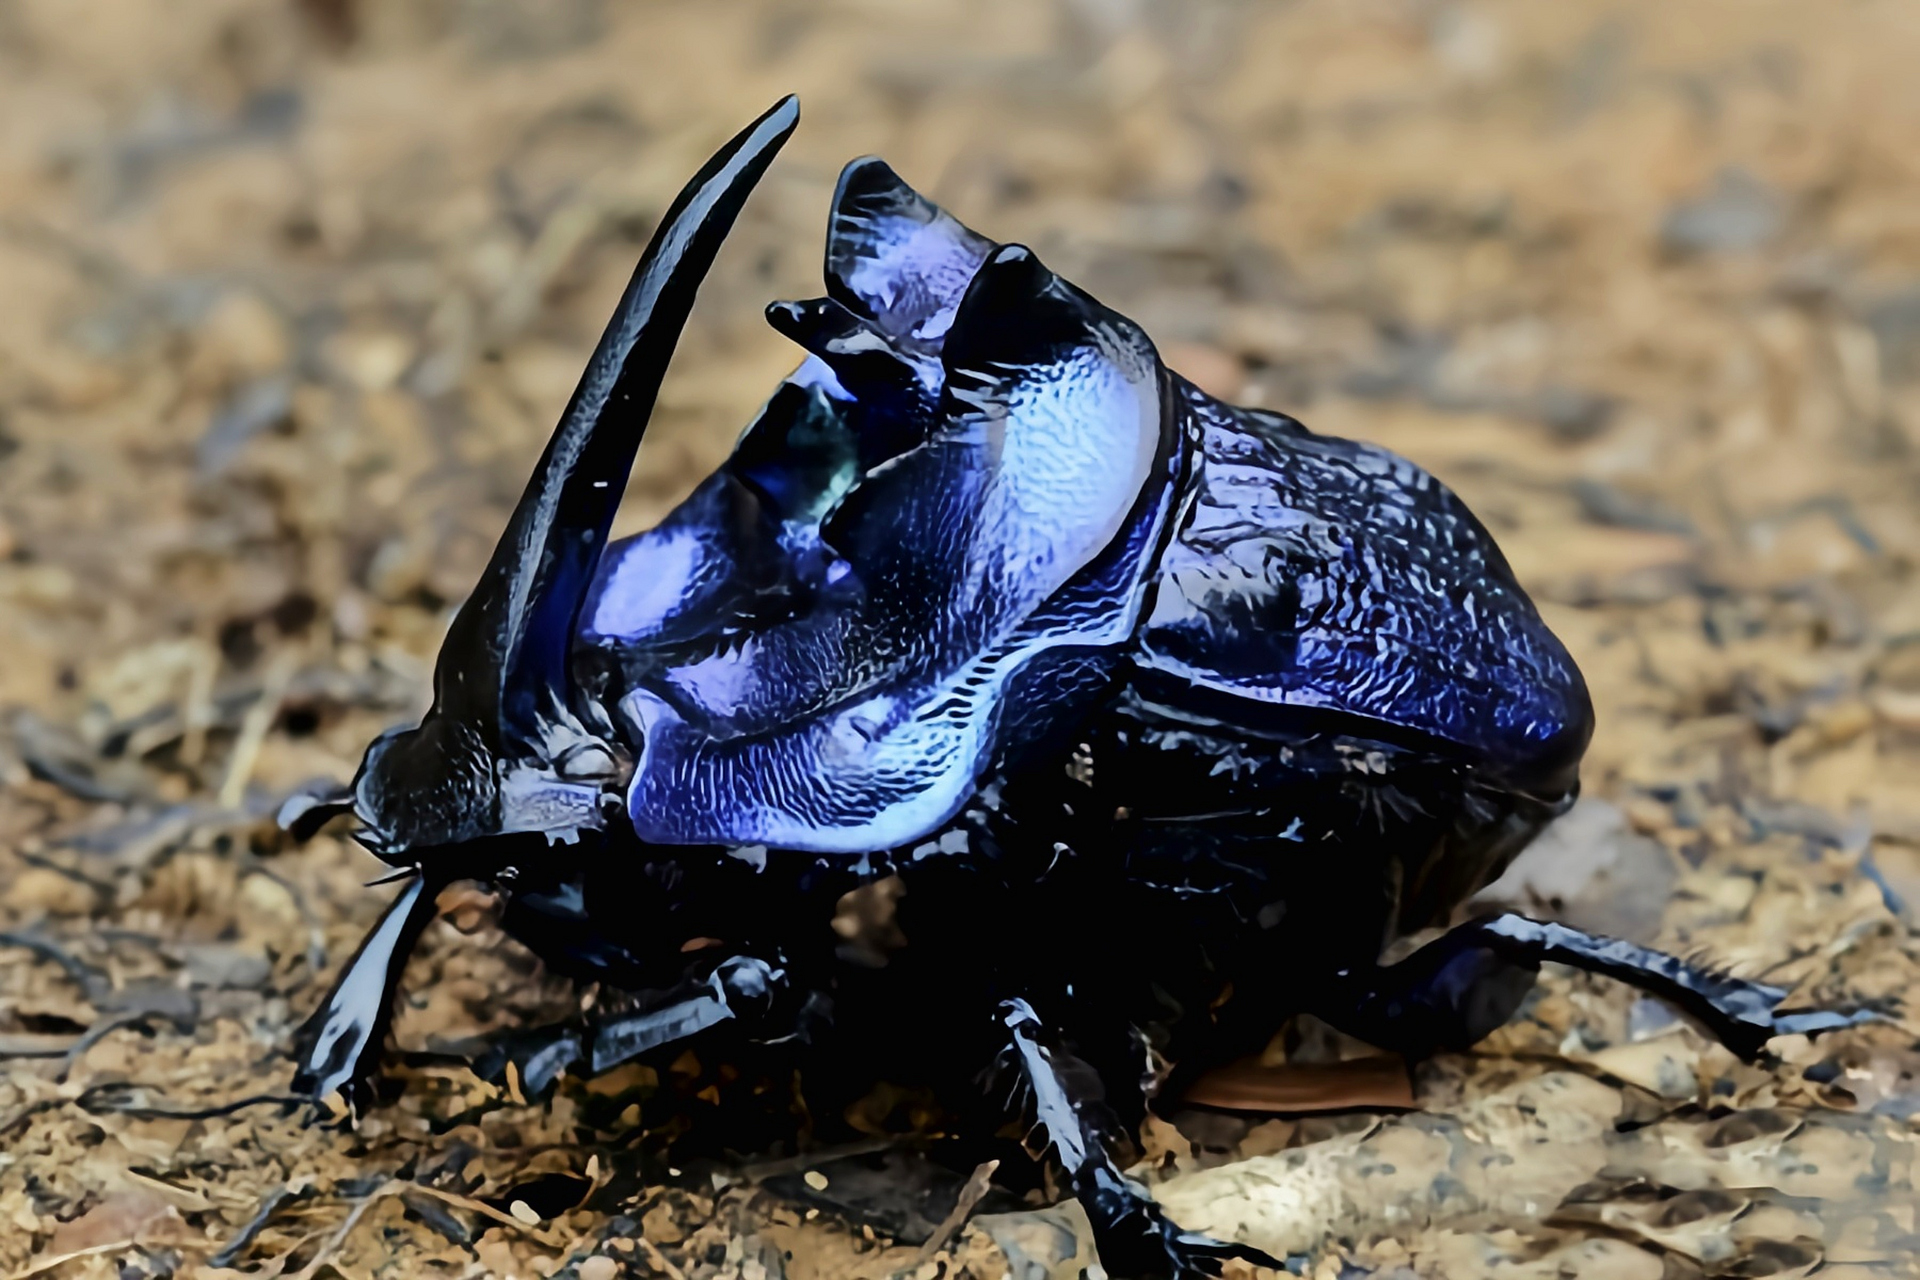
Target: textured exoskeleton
[1147, 700]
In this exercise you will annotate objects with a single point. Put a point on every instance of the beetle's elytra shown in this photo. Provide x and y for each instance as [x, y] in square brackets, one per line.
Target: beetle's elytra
[1169, 699]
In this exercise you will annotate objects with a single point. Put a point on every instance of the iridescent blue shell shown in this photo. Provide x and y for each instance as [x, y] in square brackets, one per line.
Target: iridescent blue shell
[982, 503]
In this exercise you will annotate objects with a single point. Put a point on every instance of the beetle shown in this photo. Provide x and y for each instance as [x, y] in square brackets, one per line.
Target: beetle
[1194, 710]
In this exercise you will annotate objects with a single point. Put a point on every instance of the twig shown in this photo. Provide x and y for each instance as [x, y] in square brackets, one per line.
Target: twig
[754, 1174]
[103, 1026]
[255, 726]
[137, 842]
[35, 1044]
[57, 756]
[658, 1260]
[333, 1242]
[276, 1199]
[41, 1265]
[198, 715]
[21, 1118]
[97, 987]
[316, 935]
[971, 1192]
[486, 1211]
[99, 1099]
[438, 1216]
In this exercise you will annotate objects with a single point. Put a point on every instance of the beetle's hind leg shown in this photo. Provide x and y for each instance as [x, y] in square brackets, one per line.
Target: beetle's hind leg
[1457, 989]
[1135, 1239]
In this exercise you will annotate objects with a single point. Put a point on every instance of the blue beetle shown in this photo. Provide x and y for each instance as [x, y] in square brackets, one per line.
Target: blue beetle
[1190, 710]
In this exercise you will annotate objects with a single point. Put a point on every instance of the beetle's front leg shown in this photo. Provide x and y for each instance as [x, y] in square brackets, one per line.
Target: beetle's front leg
[1136, 1241]
[338, 1048]
[1460, 987]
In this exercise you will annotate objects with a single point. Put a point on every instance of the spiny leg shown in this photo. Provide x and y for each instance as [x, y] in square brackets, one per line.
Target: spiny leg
[338, 1048]
[1457, 989]
[1741, 1014]
[1135, 1239]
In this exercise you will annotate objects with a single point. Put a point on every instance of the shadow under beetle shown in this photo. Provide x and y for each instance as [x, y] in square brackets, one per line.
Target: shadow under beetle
[1169, 716]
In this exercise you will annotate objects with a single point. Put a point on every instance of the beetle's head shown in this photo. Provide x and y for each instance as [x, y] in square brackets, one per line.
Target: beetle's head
[425, 787]
[506, 748]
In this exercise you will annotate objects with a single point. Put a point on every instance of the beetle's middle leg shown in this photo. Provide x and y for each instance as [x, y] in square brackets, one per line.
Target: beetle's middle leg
[1135, 1239]
[1462, 986]
[742, 988]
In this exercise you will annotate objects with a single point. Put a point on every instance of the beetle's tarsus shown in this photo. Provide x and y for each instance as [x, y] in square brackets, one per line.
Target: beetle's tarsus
[1456, 990]
[1135, 1239]
[1740, 1013]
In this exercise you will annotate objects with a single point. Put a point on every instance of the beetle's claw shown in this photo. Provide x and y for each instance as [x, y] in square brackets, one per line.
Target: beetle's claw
[1811, 1022]
[338, 1091]
[529, 1062]
[340, 1109]
[1748, 1036]
[336, 1094]
[1147, 1245]
[1745, 1015]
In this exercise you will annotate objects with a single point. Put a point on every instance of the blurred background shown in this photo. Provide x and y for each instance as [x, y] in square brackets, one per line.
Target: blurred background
[291, 292]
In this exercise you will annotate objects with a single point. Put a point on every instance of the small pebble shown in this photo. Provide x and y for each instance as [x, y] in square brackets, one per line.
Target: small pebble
[1823, 1072]
[598, 1267]
[815, 1179]
[523, 1211]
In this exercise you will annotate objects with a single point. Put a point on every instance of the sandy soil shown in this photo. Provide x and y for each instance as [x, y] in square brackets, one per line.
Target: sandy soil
[294, 291]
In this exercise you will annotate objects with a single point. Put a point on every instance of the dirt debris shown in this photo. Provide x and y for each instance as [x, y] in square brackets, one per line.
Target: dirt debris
[295, 291]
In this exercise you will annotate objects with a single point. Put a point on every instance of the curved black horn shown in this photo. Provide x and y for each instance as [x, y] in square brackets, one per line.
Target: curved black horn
[504, 662]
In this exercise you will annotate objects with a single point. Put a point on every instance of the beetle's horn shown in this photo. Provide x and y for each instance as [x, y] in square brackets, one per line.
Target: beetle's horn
[488, 759]
[510, 641]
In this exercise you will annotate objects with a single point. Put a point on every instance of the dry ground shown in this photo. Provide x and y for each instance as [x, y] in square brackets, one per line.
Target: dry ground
[293, 292]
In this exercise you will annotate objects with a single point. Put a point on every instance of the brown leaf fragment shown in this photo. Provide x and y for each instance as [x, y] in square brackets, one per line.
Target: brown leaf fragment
[1293, 1088]
[122, 1217]
[976, 1186]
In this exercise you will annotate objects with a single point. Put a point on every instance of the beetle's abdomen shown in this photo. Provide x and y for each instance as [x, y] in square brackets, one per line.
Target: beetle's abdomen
[1314, 575]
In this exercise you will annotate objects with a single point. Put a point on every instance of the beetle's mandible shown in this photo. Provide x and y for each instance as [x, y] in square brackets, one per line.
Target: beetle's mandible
[1168, 715]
